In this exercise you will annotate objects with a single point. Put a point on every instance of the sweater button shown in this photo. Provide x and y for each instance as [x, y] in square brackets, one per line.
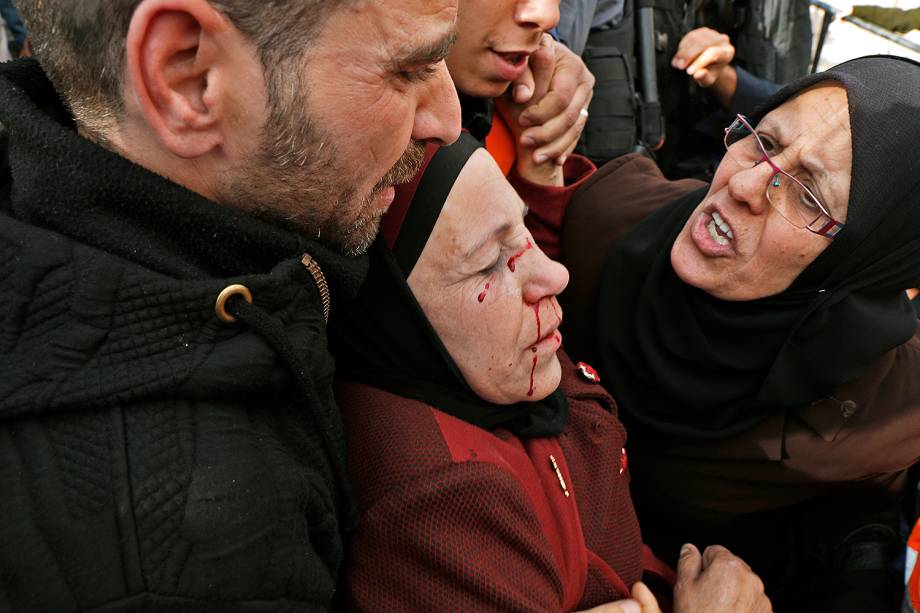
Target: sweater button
[220, 306]
[588, 373]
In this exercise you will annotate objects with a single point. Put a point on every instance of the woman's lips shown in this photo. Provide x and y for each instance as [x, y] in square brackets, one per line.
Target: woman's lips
[510, 65]
[712, 234]
[550, 342]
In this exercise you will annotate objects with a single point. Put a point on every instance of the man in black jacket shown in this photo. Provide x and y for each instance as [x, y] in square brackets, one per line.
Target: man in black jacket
[182, 193]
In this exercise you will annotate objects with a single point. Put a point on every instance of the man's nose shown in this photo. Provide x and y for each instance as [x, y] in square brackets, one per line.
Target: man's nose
[544, 14]
[437, 113]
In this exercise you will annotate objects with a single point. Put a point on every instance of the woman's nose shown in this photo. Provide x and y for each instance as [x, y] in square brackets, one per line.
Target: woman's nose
[749, 186]
[545, 278]
[544, 14]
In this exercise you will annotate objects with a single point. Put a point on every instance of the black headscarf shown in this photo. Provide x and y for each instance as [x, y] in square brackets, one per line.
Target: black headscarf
[385, 340]
[685, 363]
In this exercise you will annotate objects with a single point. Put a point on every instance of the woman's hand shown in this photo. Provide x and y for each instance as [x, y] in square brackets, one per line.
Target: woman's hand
[642, 601]
[717, 582]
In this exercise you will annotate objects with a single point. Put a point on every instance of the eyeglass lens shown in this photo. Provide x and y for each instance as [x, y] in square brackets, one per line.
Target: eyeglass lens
[793, 201]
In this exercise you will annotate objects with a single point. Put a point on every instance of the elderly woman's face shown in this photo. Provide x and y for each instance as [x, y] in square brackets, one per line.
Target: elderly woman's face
[810, 137]
[489, 291]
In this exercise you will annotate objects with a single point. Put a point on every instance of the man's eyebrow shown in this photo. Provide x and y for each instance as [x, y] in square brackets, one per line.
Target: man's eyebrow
[428, 53]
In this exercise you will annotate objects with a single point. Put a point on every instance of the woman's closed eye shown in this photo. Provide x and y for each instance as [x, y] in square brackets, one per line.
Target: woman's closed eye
[493, 266]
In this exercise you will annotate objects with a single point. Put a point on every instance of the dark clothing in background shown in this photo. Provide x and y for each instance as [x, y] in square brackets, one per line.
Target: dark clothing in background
[620, 113]
[154, 458]
[772, 39]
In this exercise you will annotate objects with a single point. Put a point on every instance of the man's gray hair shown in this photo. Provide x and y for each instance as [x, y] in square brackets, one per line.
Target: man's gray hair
[81, 45]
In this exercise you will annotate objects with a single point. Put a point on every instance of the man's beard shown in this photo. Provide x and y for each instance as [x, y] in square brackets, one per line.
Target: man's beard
[355, 238]
[297, 178]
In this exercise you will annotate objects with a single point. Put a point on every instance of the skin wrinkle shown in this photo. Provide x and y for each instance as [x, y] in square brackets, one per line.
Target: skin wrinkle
[347, 86]
[770, 253]
[811, 161]
[448, 290]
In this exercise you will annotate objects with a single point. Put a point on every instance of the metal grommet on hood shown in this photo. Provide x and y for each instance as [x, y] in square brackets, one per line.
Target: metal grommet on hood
[220, 307]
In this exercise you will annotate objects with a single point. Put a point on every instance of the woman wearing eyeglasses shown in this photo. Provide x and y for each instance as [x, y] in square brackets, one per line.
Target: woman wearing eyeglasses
[757, 336]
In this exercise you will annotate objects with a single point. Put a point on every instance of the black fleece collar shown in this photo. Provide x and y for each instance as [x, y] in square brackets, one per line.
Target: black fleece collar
[65, 183]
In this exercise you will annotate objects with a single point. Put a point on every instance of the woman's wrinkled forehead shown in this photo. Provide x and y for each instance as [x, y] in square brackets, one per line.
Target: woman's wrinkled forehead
[480, 207]
[883, 106]
[813, 135]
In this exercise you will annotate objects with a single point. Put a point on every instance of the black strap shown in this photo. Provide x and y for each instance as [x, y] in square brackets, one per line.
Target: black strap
[429, 199]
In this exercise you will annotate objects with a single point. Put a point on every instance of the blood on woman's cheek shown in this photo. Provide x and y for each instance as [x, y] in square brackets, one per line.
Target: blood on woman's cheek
[536, 311]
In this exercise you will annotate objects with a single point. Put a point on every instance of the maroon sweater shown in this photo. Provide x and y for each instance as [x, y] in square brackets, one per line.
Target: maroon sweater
[454, 517]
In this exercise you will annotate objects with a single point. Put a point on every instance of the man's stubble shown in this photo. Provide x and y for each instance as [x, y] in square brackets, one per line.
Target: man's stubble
[297, 177]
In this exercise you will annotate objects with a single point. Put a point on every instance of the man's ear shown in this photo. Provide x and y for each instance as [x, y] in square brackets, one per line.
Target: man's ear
[172, 51]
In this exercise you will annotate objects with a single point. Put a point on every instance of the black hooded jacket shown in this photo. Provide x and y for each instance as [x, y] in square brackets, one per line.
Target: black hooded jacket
[153, 457]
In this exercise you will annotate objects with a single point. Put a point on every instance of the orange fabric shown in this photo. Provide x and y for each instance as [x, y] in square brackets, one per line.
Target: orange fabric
[500, 143]
[913, 584]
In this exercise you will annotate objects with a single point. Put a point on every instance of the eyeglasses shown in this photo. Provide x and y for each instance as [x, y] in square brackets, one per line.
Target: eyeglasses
[790, 197]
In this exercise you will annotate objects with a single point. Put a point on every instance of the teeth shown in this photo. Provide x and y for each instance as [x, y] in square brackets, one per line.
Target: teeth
[714, 233]
[722, 225]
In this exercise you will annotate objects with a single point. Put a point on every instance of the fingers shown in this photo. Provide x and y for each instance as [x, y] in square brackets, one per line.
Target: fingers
[704, 53]
[620, 606]
[694, 43]
[717, 582]
[706, 67]
[559, 136]
[570, 78]
[522, 89]
[645, 598]
[719, 554]
[535, 81]
[690, 563]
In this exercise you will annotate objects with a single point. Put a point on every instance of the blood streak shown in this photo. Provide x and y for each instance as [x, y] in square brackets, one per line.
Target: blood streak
[514, 257]
[536, 311]
[532, 370]
[482, 294]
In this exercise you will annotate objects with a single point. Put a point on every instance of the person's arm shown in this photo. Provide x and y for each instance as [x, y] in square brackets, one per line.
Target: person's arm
[750, 92]
[706, 56]
[545, 188]
[462, 537]
[557, 90]
[547, 204]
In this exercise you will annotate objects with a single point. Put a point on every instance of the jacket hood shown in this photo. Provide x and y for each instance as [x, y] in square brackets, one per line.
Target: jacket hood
[110, 274]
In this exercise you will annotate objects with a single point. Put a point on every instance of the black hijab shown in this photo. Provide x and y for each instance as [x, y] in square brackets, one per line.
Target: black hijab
[385, 340]
[682, 362]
